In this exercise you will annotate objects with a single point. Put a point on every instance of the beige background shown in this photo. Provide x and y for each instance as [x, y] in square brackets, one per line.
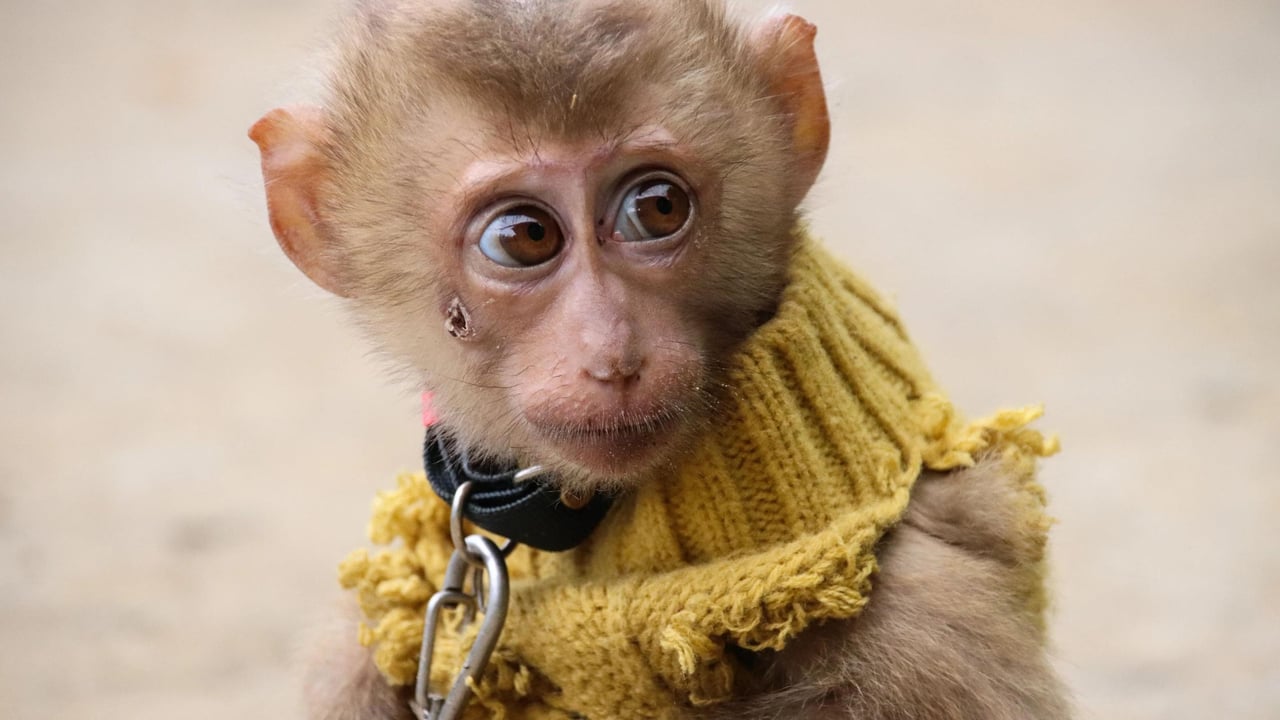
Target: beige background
[1077, 203]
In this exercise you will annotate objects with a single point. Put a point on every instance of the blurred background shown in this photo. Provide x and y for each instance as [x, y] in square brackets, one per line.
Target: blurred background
[1072, 202]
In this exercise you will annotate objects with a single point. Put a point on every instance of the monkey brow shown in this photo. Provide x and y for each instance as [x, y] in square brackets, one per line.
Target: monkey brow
[479, 180]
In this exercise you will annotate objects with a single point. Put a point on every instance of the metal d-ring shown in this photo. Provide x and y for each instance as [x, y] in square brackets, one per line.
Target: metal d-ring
[529, 473]
[460, 497]
[457, 516]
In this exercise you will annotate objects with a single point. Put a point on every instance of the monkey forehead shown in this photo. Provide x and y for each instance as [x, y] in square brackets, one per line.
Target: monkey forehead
[417, 8]
[571, 157]
[572, 67]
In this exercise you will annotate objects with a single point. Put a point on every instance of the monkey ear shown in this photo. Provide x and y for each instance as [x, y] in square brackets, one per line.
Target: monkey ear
[293, 168]
[785, 45]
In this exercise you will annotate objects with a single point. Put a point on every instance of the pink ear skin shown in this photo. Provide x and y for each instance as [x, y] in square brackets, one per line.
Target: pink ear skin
[785, 44]
[293, 168]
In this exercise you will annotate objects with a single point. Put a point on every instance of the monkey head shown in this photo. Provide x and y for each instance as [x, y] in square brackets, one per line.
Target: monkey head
[559, 217]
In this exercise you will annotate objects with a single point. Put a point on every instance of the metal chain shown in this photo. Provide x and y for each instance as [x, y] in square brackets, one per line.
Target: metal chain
[490, 591]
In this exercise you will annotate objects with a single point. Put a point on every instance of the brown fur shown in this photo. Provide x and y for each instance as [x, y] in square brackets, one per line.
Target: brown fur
[376, 193]
[341, 682]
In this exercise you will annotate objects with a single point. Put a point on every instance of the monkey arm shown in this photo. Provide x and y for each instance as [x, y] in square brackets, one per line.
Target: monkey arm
[341, 681]
[948, 632]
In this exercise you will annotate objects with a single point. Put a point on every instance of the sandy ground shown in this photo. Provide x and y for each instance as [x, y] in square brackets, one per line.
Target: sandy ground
[1077, 203]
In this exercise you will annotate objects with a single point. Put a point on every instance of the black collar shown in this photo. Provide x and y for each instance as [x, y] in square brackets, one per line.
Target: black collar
[528, 512]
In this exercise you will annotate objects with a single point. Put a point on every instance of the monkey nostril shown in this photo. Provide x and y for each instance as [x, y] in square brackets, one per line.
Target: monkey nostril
[615, 370]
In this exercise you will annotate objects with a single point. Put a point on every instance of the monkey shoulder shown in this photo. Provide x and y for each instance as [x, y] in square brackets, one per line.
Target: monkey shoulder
[991, 511]
[953, 628]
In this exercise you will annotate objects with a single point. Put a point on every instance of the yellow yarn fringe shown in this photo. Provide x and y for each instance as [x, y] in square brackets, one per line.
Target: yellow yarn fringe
[768, 528]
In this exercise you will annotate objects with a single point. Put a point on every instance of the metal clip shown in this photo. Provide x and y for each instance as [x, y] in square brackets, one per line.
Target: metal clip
[488, 595]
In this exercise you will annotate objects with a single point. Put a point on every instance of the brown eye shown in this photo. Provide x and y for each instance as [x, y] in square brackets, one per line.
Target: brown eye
[523, 236]
[653, 209]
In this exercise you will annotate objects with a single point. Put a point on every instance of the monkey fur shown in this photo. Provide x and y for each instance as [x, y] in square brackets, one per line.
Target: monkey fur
[599, 360]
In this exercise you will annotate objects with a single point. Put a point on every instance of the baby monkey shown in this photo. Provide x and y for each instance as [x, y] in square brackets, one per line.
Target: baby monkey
[563, 217]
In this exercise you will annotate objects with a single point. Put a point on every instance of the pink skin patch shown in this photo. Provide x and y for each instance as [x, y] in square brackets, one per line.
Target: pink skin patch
[429, 415]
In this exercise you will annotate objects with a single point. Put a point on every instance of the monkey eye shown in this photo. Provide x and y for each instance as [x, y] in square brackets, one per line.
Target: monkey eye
[653, 209]
[521, 236]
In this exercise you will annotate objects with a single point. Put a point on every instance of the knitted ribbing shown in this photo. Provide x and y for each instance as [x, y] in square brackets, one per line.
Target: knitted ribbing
[768, 527]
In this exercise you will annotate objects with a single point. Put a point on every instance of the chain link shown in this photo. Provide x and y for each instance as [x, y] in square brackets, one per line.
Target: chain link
[488, 596]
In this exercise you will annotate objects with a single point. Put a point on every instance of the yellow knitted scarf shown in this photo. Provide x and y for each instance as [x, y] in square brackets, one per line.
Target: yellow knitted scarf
[768, 528]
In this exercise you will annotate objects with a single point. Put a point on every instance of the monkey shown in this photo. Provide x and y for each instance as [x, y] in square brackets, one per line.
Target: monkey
[563, 217]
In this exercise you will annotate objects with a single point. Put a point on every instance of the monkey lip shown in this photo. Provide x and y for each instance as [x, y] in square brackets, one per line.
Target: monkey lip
[606, 432]
[609, 447]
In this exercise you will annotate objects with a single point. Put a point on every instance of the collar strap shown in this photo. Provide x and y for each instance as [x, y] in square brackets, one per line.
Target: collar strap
[528, 512]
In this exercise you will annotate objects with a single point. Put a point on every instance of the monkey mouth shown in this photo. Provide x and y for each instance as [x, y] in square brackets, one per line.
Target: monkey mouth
[613, 447]
[631, 430]
[615, 431]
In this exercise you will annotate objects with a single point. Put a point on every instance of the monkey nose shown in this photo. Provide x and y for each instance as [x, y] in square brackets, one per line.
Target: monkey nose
[615, 369]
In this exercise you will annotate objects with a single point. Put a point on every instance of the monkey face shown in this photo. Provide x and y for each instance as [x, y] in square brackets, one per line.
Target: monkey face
[575, 266]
